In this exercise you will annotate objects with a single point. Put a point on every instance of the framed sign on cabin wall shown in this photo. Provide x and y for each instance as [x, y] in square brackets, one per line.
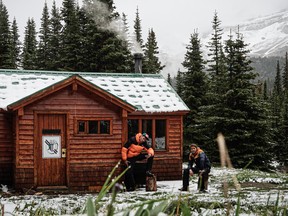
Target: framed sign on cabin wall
[51, 146]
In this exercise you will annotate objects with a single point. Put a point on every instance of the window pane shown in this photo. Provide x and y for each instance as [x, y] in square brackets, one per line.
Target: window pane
[105, 127]
[93, 127]
[147, 128]
[81, 127]
[160, 136]
[132, 127]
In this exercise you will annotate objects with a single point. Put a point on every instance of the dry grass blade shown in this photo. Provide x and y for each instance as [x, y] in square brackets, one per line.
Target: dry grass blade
[226, 162]
[225, 159]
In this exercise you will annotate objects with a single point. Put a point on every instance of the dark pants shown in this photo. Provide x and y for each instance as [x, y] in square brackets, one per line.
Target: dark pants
[202, 179]
[129, 175]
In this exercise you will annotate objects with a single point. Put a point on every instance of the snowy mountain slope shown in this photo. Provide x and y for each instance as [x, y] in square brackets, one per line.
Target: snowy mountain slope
[266, 36]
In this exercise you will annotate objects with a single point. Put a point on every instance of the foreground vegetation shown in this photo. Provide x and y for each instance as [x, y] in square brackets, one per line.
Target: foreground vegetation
[222, 96]
[261, 193]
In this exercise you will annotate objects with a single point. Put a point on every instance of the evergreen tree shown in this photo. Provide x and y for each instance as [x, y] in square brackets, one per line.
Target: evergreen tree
[277, 98]
[277, 108]
[194, 86]
[210, 116]
[44, 54]
[217, 68]
[194, 79]
[111, 52]
[5, 45]
[233, 107]
[84, 36]
[285, 76]
[169, 79]
[265, 91]
[278, 83]
[245, 124]
[215, 47]
[91, 36]
[125, 31]
[15, 46]
[125, 24]
[138, 32]
[179, 83]
[29, 46]
[127, 44]
[114, 56]
[70, 36]
[151, 63]
[55, 39]
[283, 146]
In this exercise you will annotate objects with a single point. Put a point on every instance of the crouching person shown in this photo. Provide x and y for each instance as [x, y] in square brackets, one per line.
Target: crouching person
[131, 152]
[198, 164]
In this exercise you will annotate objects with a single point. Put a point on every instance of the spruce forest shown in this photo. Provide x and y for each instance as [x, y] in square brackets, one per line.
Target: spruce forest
[222, 91]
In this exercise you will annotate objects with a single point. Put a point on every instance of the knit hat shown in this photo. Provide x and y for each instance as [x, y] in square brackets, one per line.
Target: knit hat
[146, 136]
[194, 145]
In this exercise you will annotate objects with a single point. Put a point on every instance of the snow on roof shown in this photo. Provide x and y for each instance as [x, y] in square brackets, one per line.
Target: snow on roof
[147, 92]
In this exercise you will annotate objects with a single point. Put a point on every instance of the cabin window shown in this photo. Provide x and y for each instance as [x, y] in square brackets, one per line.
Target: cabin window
[133, 127]
[156, 128]
[147, 128]
[81, 127]
[93, 127]
[104, 127]
[160, 134]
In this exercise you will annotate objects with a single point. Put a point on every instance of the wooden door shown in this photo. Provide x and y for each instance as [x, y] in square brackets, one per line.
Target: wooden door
[51, 157]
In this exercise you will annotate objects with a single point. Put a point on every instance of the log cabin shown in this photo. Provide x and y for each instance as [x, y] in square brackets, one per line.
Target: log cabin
[66, 129]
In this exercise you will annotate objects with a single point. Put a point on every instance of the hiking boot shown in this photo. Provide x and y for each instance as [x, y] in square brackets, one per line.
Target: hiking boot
[131, 189]
[183, 189]
[149, 174]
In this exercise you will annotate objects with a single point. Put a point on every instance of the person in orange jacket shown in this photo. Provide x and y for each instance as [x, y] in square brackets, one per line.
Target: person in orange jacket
[131, 152]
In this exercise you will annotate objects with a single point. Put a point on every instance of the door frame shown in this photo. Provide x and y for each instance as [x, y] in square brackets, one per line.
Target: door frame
[36, 136]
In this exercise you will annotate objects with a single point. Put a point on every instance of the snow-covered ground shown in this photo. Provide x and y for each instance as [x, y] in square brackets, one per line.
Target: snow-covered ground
[259, 191]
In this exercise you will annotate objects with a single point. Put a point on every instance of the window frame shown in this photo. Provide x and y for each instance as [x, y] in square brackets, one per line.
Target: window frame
[86, 127]
[153, 135]
[166, 134]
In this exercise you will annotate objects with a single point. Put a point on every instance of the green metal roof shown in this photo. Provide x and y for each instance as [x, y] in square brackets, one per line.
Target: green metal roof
[147, 92]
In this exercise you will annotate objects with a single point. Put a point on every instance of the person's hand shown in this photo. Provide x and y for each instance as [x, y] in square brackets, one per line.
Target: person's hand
[148, 155]
[201, 172]
[191, 172]
[127, 163]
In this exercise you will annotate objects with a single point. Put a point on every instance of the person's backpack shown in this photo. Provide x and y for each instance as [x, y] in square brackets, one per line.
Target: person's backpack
[207, 162]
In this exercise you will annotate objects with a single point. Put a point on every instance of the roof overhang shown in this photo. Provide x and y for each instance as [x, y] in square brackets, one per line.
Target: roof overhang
[143, 113]
[72, 80]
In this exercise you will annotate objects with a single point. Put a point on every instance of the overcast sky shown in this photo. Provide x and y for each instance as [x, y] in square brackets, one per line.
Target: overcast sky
[172, 20]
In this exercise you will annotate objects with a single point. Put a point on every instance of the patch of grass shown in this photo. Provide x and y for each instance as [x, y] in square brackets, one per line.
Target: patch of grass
[230, 200]
[245, 175]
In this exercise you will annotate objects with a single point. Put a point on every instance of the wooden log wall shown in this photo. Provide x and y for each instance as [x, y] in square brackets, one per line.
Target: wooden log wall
[6, 149]
[89, 158]
[168, 164]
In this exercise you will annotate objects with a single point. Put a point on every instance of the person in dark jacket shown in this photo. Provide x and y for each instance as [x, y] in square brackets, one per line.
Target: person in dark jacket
[131, 152]
[198, 164]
